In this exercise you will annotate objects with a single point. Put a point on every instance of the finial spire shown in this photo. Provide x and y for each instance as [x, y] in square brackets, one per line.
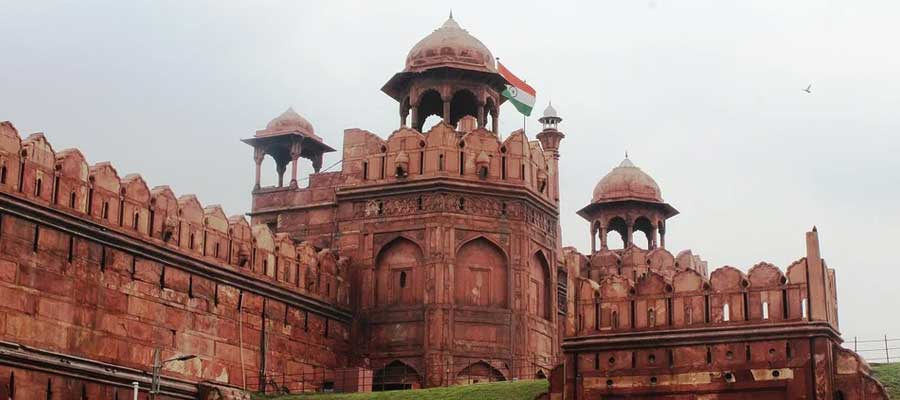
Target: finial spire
[451, 13]
[626, 154]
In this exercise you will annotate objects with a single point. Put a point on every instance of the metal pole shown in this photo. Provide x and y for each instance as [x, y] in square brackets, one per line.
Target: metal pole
[854, 344]
[136, 388]
[887, 353]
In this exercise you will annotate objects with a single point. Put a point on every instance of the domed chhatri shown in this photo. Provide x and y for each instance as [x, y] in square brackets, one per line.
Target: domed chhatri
[289, 121]
[627, 182]
[450, 45]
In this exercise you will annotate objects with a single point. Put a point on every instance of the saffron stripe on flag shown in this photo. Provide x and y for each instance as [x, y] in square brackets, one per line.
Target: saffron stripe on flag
[515, 81]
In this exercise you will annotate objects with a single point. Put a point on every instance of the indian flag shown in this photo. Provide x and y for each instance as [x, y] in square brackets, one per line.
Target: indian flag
[518, 92]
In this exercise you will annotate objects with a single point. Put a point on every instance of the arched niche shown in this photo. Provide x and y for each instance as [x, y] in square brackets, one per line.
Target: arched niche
[398, 273]
[481, 275]
[539, 294]
[396, 376]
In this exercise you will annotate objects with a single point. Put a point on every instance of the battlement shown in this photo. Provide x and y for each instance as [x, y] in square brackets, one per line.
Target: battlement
[475, 156]
[640, 290]
[30, 169]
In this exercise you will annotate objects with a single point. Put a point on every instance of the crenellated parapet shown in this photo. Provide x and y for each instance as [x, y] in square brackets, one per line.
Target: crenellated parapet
[472, 157]
[634, 262]
[637, 290]
[30, 169]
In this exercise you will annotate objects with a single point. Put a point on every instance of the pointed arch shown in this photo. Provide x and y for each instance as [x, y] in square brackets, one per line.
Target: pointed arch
[479, 372]
[481, 274]
[396, 375]
[463, 103]
[398, 273]
[430, 103]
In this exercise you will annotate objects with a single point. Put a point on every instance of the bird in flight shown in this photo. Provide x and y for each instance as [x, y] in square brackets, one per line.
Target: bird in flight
[808, 89]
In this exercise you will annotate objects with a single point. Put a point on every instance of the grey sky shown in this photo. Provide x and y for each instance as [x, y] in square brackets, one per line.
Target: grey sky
[705, 95]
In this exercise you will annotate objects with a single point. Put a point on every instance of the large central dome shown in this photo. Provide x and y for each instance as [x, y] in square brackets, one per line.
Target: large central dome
[448, 46]
[627, 182]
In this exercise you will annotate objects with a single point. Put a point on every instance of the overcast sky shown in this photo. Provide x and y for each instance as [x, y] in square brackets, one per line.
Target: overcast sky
[705, 96]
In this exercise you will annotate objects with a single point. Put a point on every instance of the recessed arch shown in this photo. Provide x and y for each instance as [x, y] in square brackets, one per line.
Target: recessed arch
[396, 375]
[398, 273]
[481, 277]
[479, 372]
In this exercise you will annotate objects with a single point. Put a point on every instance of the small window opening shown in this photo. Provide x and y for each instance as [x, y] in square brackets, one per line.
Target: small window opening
[72, 200]
[651, 359]
[421, 162]
[708, 355]
[614, 320]
[765, 310]
[383, 166]
[803, 309]
[726, 313]
[3, 174]
[365, 170]
[402, 279]
[216, 250]
[420, 203]
[651, 317]
[462, 163]
[136, 221]
[461, 203]
[483, 172]
[37, 187]
[503, 167]
[191, 242]
[440, 162]
[105, 210]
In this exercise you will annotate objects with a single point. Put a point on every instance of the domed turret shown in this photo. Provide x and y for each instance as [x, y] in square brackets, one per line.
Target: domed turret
[628, 200]
[450, 74]
[627, 182]
[289, 121]
[450, 45]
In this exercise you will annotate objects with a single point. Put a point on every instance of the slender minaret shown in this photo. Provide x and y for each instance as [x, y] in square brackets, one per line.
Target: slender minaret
[550, 137]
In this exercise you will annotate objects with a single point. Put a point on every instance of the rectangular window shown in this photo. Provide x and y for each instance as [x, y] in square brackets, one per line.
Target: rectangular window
[365, 170]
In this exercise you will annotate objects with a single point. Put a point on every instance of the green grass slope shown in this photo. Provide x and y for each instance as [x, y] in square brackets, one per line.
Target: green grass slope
[521, 390]
[889, 375]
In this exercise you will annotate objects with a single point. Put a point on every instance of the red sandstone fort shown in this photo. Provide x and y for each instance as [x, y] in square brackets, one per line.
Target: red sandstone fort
[431, 258]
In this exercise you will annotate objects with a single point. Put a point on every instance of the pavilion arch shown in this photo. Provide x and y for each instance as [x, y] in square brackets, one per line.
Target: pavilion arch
[765, 275]
[398, 273]
[539, 285]
[396, 375]
[482, 277]
[430, 103]
[618, 225]
[479, 372]
[643, 225]
[463, 103]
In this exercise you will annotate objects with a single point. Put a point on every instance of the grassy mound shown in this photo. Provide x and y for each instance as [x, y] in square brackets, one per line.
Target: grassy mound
[889, 375]
[521, 390]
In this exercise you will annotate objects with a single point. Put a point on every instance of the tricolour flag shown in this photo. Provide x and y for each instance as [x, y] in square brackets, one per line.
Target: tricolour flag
[518, 92]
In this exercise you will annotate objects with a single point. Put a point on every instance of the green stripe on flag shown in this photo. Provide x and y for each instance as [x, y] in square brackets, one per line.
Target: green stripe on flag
[522, 107]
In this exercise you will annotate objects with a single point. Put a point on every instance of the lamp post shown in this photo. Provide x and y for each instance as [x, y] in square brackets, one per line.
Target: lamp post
[157, 367]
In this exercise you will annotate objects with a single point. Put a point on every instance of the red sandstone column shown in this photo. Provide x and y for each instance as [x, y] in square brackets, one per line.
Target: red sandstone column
[603, 237]
[295, 154]
[258, 156]
[447, 111]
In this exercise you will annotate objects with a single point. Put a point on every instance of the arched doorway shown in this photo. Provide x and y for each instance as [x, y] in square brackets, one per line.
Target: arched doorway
[481, 275]
[396, 376]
